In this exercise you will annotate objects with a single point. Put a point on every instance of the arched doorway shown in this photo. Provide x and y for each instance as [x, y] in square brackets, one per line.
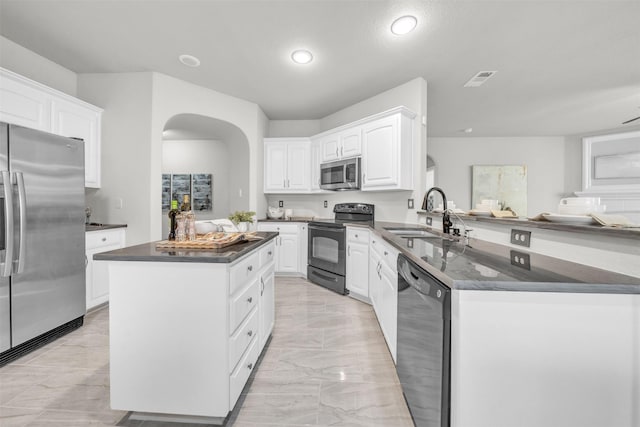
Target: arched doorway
[196, 146]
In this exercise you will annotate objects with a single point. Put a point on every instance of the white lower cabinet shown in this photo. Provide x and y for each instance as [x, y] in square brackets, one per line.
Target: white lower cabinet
[97, 291]
[202, 325]
[290, 246]
[383, 288]
[266, 307]
[357, 275]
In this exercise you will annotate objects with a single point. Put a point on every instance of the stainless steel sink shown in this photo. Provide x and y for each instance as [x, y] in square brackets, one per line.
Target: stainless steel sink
[417, 233]
[411, 232]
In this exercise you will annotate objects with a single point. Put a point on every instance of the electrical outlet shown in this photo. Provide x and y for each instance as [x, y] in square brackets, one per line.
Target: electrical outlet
[521, 238]
[325, 204]
[429, 220]
[280, 204]
[410, 203]
[520, 259]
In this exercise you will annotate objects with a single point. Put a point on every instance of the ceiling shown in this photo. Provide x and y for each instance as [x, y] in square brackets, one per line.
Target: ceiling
[564, 67]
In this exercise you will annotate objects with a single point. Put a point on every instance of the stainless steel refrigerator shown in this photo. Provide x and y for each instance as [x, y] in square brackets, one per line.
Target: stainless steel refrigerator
[42, 249]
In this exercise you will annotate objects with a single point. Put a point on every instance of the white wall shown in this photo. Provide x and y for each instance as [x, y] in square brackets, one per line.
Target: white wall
[543, 156]
[390, 206]
[293, 128]
[201, 156]
[126, 144]
[29, 64]
[172, 96]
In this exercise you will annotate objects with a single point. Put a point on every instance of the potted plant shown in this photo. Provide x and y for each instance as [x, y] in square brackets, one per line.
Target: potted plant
[242, 219]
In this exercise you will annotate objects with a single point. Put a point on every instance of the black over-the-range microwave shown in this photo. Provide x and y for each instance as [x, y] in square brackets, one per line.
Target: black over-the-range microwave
[340, 174]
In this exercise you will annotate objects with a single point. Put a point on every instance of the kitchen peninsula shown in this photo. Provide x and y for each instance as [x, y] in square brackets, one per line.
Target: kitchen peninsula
[187, 326]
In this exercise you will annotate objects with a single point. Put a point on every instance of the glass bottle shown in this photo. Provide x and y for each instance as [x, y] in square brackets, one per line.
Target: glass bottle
[190, 226]
[172, 219]
[181, 227]
[186, 205]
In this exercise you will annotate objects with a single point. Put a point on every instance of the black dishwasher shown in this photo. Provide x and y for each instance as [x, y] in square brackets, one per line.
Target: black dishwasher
[424, 343]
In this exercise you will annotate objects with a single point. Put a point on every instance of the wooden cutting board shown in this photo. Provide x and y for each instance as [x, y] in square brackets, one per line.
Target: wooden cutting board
[209, 241]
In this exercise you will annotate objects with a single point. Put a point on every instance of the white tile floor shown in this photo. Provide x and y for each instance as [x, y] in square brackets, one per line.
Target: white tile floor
[327, 365]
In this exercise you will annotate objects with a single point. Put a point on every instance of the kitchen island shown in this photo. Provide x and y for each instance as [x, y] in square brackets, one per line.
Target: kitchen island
[541, 342]
[187, 326]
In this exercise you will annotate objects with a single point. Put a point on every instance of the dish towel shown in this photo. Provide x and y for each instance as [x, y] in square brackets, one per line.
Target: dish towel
[614, 221]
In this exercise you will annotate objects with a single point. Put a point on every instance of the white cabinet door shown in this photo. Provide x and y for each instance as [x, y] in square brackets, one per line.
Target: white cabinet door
[375, 281]
[330, 147]
[77, 121]
[298, 161]
[357, 274]
[351, 142]
[267, 304]
[287, 165]
[97, 282]
[23, 104]
[275, 166]
[289, 253]
[316, 159]
[389, 307]
[380, 153]
[289, 250]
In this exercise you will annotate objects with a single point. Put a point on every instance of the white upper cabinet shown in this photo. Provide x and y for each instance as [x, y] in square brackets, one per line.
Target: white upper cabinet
[387, 148]
[316, 159]
[341, 145]
[22, 103]
[80, 121]
[25, 102]
[286, 165]
[384, 140]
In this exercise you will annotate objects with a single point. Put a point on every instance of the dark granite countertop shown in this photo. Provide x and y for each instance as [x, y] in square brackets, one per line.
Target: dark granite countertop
[147, 252]
[292, 219]
[482, 265]
[95, 226]
[629, 233]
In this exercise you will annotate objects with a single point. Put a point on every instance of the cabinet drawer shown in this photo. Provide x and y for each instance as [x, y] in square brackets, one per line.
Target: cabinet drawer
[281, 227]
[242, 303]
[239, 341]
[240, 375]
[98, 239]
[388, 254]
[355, 234]
[243, 272]
[267, 254]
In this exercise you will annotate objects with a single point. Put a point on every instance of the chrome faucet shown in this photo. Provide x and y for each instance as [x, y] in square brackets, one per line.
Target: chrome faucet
[446, 220]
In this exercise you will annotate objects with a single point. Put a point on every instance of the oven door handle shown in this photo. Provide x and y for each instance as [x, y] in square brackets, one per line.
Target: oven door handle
[331, 229]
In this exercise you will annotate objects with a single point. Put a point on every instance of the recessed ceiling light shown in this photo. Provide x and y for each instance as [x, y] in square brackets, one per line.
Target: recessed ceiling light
[301, 56]
[467, 130]
[189, 60]
[403, 25]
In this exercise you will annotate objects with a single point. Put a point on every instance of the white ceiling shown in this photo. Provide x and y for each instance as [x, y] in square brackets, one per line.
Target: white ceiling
[564, 67]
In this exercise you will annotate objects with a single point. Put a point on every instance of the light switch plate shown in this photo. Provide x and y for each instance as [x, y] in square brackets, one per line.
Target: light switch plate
[429, 220]
[280, 203]
[410, 203]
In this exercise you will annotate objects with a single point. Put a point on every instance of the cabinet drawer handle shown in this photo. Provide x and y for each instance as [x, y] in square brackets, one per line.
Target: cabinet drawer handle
[250, 268]
[249, 300]
[104, 239]
[386, 253]
[269, 253]
[356, 236]
[250, 333]
[250, 366]
[349, 250]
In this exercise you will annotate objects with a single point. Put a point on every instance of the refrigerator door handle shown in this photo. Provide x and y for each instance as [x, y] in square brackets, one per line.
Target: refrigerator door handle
[22, 203]
[6, 266]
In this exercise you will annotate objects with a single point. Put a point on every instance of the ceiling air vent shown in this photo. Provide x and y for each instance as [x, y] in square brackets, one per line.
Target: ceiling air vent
[479, 78]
